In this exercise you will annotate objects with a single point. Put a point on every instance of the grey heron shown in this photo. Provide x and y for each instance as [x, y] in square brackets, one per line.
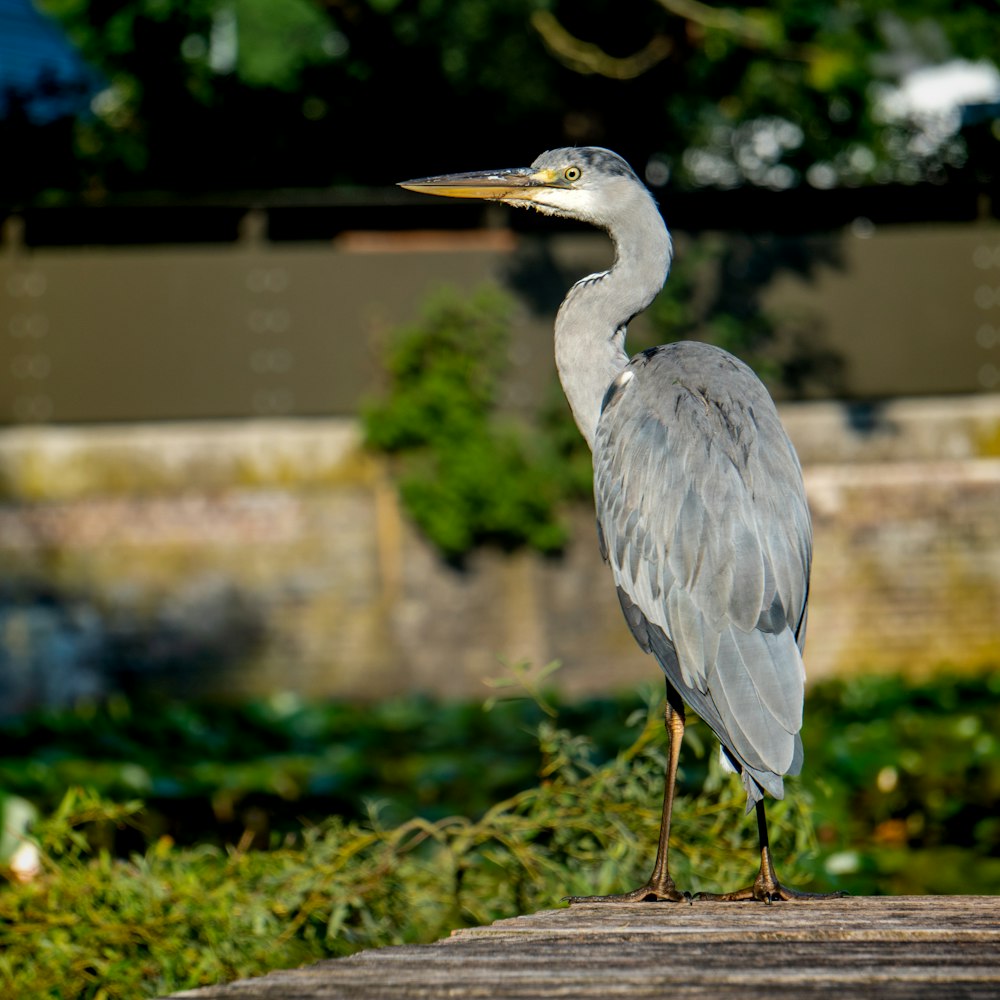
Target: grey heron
[701, 511]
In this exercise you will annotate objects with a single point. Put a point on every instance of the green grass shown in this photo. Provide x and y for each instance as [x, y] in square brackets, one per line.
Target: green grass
[898, 795]
[98, 926]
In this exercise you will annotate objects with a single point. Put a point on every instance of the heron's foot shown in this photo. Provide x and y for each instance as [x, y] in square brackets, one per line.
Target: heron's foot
[768, 890]
[654, 891]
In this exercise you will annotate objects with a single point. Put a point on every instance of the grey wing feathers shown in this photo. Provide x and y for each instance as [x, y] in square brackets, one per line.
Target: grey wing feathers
[703, 519]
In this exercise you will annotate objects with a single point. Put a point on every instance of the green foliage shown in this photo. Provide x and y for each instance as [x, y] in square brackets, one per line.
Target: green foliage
[903, 780]
[95, 926]
[203, 770]
[821, 68]
[244, 94]
[912, 775]
[900, 774]
[467, 474]
[900, 787]
[250, 94]
[274, 44]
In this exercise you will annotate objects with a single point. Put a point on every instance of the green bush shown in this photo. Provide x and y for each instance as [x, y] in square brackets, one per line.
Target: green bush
[906, 779]
[203, 770]
[478, 815]
[96, 926]
[467, 474]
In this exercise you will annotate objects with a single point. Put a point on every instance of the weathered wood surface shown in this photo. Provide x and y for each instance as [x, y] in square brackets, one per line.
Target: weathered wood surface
[912, 947]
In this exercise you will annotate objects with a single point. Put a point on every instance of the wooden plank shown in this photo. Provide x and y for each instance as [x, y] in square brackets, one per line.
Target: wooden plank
[912, 947]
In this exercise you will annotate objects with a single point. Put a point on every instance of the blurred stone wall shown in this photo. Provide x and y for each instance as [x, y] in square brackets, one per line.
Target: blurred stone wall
[245, 558]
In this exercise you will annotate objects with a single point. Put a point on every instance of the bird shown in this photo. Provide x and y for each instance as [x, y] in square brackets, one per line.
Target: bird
[701, 509]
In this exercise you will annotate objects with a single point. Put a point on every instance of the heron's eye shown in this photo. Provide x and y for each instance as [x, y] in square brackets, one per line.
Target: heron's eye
[572, 174]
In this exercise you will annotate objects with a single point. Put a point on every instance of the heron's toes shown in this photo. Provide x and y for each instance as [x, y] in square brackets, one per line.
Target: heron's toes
[649, 893]
[768, 893]
[782, 892]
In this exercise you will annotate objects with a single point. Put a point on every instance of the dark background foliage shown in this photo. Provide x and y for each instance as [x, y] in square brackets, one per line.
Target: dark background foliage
[213, 96]
[897, 818]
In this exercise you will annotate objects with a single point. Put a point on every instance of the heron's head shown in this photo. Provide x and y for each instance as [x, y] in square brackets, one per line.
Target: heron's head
[587, 182]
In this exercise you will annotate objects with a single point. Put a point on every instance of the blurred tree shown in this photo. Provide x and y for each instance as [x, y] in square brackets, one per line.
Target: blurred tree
[239, 94]
[789, 91]
[243, 94]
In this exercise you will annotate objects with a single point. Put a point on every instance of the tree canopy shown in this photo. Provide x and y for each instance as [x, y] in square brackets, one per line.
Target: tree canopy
[222, 95]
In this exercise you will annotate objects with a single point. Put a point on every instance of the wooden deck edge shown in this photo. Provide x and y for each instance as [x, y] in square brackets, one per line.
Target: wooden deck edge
[884, 947]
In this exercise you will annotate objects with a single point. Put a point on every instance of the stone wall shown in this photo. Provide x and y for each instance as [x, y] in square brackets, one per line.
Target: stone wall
[260, 556]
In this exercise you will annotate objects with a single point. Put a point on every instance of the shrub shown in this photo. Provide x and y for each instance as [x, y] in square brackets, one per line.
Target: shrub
[467, 475]
[93, 926]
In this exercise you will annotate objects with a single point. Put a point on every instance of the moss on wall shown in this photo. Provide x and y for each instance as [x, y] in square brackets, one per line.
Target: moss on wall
[240, 559]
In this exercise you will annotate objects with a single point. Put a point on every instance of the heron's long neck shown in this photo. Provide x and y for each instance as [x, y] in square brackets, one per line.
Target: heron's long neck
[590, 325]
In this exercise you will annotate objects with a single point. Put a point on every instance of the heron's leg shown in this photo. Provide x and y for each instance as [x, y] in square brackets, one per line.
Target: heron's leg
[766, 888]
[660, 885]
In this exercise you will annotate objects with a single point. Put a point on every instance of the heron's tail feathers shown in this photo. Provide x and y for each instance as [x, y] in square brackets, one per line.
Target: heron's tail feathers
[757, 781]
[751, 697]
[757, 685]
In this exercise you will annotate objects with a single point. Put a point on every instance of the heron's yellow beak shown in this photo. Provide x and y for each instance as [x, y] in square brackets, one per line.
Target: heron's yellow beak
[519, 184]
